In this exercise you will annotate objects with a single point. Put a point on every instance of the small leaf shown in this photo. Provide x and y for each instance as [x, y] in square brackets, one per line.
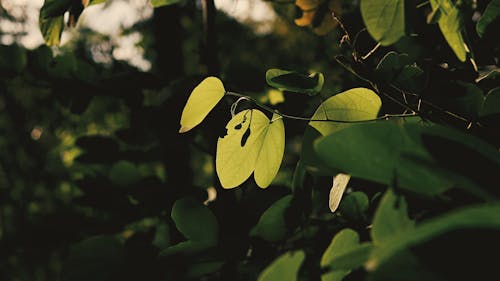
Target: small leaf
[391, 218]
[491, 14]
[258, 145]
[161, 3]
[343, 242]
[295, 82]
[340, 182]
[384, 19]
[195, 221]
[354, 205]
[272, 225]
[285, 267]
[201, 101]
[352, 105]
[52, 29]
[450, 23]
[124, 173]
[491, 104]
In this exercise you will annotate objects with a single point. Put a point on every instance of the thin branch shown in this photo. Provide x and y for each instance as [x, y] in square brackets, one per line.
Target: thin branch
[371, 52]
[309, 119]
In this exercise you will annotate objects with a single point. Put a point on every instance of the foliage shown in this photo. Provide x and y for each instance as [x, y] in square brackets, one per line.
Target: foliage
[381, 156]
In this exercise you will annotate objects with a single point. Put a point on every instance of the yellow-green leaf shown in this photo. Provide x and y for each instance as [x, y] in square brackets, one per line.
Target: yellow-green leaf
[352, 105]
[201, 101]
[450, 23]
[340, 182]
[271, 154]
[52, 29]
[251, 140]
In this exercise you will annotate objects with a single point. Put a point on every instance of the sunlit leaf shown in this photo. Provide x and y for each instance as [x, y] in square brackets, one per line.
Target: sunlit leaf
[201, 101]
[295, 82]
[352, 105]
[160, 3]
[272, 224]
[491, 14]
[317, 14]
[384, 19]
[450, 23]
[285, 267]
[52, 29]
[391, 218]
[340, 182]
[344, 241]
[253, 143]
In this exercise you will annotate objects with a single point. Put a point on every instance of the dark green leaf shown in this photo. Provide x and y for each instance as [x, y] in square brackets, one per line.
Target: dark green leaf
[491, 14]
[491, 103]
[13, 59]
[195, 221]
[52, 29]
[354, 205]
[54, 8]
[295, 82]
[100, 258]
[124, 173]
[160, 3]
[272, 224]
[343, 242]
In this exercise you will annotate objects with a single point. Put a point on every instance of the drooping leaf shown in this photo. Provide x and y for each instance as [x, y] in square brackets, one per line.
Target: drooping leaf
[195, 221]
[52, 29]
[391, 218]
[340, 182]
[98, 258]
[160, 3]
[344, 241]
[253, 143]
[352, 105]
[54, 8]
[285, 267]
[450, 23]
[491, 14]
[295, 82]
[384, 19]
[491, 104]
[201, 101]
[272, 225]
[472, 217]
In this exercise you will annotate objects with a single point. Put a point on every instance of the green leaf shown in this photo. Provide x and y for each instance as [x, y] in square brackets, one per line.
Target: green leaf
[285, 267]
[94, 2]
[124, 173]
[253, 143]
[343, 242]
[201, 101]
[450, 23]
[51, 29]
[375, 151]
[98, 258]
[160, 3]
[352, 105]
[384, 19]
[272, 225]
[400, 70]
[491, 14]
[196, 270]
[295, 82]
[340, 182]
[472, 217]
[354, 205]
[391, 218]
[491, 104]
[195, 221]
[54, 8]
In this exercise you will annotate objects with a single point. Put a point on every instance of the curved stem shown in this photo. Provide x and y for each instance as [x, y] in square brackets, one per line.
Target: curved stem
[308, 119]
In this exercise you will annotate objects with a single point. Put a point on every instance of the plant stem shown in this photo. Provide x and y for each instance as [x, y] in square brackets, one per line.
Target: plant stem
[308, 119]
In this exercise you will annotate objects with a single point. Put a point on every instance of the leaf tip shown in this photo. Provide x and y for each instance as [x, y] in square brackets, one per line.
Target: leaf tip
[184, 129]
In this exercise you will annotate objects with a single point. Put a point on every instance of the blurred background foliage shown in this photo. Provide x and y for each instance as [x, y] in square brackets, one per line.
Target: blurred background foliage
[91, 162]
